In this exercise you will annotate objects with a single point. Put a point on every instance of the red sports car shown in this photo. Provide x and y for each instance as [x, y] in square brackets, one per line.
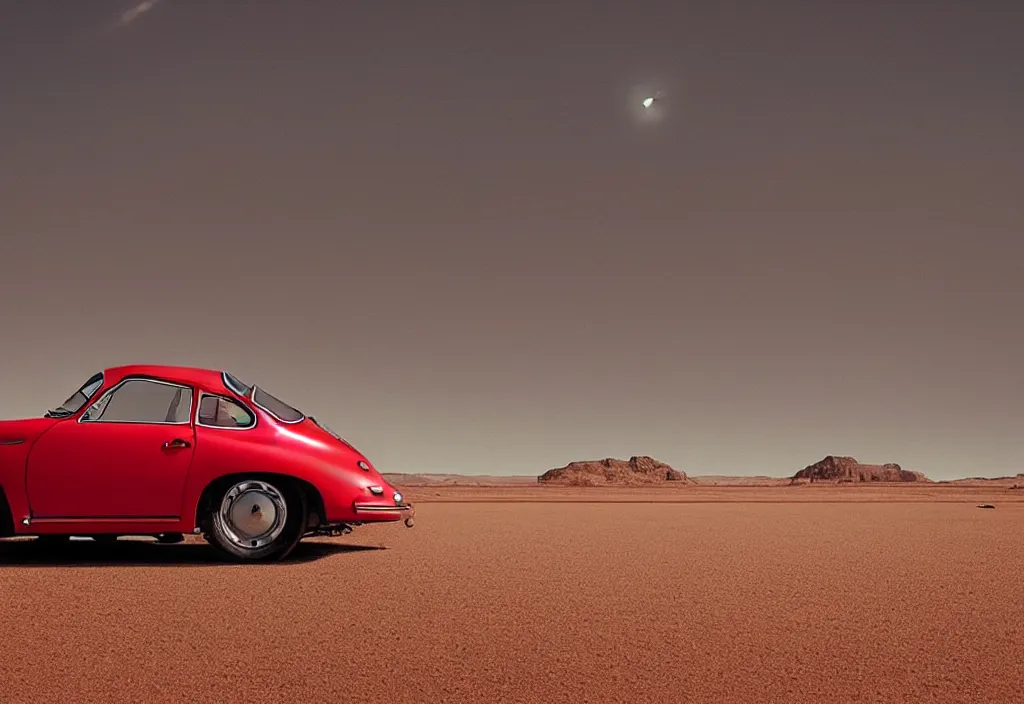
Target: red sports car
[163, 451]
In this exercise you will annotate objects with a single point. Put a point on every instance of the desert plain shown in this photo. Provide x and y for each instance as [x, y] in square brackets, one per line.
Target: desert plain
[510, 592]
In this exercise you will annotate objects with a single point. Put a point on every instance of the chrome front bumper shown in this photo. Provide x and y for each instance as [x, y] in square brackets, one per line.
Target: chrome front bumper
[407, 509]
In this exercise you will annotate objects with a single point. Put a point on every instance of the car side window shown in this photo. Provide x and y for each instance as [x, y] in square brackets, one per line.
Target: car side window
[223, 412]
[142, 401]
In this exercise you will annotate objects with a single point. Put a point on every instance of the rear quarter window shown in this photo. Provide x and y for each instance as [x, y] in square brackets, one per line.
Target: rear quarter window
[276, 407]
[223, 412]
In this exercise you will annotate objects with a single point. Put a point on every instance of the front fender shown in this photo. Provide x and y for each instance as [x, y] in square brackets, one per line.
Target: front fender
[16, 439]
[13, 459]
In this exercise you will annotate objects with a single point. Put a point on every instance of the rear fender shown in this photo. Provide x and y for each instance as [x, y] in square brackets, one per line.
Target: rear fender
[207, 502]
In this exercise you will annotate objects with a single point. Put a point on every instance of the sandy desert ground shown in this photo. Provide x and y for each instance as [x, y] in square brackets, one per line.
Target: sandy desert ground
[866, 594]
[715, 493]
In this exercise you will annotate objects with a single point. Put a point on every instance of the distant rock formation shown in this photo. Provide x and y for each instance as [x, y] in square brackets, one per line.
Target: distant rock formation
[837, 470]
[636, 470]
[1008, 482]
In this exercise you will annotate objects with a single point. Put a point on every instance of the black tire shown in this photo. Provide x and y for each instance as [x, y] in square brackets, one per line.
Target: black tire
[237, 537]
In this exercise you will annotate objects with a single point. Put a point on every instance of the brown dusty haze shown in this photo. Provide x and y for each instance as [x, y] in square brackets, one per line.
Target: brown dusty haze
[702, 594]
[458, 240]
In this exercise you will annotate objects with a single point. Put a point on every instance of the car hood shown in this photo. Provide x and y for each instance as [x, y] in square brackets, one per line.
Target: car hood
[13, 432]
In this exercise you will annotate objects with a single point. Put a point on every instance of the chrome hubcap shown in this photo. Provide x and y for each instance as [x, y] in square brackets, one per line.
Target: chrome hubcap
[254, 514]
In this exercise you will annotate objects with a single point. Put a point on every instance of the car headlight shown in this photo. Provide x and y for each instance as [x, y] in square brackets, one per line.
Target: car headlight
[363, 466]
[398, 498]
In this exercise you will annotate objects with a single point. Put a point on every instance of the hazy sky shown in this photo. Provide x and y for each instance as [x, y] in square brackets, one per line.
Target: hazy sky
[443, 227]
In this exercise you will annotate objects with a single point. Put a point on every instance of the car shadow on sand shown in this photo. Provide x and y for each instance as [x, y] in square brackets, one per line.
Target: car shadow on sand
[144, 553]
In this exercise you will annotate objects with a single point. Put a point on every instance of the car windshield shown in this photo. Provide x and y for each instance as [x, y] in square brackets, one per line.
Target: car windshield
[76, 400]
[268, 402]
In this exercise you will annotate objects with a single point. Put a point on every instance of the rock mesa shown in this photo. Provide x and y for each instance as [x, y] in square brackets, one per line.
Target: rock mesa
[839, 470]
[635, 470]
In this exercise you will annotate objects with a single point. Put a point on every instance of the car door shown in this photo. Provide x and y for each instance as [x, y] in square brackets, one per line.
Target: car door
[127, 456]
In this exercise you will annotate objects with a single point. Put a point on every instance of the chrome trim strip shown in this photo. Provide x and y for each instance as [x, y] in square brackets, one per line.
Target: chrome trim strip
[115, 387]
[388, 509]
[106, 519]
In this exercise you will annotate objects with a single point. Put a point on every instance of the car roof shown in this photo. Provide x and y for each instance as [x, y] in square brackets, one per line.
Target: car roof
[208, 378]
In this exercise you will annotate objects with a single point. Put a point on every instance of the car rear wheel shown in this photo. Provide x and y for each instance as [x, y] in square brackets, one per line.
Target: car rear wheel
[256, 520]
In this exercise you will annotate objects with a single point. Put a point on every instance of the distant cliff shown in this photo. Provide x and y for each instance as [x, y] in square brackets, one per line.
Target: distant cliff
[610, 471]
[838, 470]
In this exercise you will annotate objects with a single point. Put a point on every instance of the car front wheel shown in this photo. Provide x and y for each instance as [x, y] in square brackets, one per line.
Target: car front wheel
[256, 520]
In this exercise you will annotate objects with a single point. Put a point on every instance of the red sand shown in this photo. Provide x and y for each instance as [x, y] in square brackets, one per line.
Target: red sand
[714, 601]
[725, 493]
